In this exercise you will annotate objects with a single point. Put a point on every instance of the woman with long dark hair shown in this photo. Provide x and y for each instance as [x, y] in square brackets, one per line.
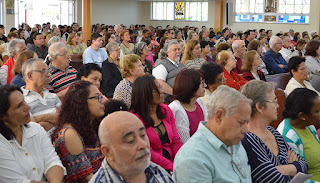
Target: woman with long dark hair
[76, 139]
[146, 103]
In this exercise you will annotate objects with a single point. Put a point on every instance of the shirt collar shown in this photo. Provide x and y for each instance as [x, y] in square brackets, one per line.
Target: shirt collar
[274, 53]
[27, 92]
[174, 63]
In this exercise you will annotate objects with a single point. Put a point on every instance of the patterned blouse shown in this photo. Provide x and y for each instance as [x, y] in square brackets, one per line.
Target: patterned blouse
[81, 165]
[123, 92]
[78, 50]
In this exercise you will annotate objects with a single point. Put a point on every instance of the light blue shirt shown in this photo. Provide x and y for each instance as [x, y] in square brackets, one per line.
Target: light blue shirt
[204, 158]
[92, 56]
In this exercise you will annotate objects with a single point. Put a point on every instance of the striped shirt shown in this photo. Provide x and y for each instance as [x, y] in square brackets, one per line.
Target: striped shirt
[263, 162]
[60, 80]
[154, 173]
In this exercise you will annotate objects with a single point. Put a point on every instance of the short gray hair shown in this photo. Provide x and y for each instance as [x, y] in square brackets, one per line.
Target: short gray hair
[225, 98]
[117, 27]
[257, 91]
[54, 39]
[235, 44]
[166, 48]
[13, 46]
[138, 48]
[273, 41]
[79, 33]
[111, 47]
[28, 66]
[55, 49]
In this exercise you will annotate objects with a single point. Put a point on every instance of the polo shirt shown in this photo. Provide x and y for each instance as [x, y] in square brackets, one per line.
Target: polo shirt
[61, 80]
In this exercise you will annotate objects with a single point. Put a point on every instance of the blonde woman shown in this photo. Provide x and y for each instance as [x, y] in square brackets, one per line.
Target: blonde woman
[72, 44]
[191, 56]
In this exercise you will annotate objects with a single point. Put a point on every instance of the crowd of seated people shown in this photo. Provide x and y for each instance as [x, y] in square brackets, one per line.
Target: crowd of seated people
[154, 104]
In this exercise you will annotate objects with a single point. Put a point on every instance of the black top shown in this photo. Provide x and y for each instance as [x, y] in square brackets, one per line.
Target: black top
[111, 77]
[162, 133]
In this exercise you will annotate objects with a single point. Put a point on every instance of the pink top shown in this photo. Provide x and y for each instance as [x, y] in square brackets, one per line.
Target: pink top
[150, 58]
[318, 132]
[194, 119]
[155, 143]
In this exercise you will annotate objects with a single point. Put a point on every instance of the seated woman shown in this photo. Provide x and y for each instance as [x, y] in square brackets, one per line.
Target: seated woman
[213, 77]
[90, 72]
[299, 73]
[75, 137]
[270, 157]
[81, 39]
[131, 69]
[228, 62]
[191, 56]
[299, 49]
[125, 46]
[146, 103]
[23, 56]
[313, 66]
[301, 114]
[250, 63]
[220, 47]
[257, 46]
[205, 50]
[188, 109]
[26, 152]
[46, 37]
[141, 49]
[111, 75]
[72, 44]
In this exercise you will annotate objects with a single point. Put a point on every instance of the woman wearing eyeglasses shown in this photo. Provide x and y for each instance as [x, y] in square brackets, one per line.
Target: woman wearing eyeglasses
[188, 108]
[146, 103]
[75, 138]
[270, 157]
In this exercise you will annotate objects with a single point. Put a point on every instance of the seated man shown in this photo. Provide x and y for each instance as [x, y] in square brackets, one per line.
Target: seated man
[238, 47]
[62, 74]
[167, 68]
[273, 59]
[38, 46]
[126, 148]
[287, 49]
[94, 54]
[214, 153]
[43, 104]
[16, 46]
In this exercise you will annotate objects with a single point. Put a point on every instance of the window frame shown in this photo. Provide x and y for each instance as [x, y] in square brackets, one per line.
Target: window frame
[277, 14]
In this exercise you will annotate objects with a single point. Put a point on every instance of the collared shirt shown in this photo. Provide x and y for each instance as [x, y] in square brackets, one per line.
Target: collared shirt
[287, 53]
[123, 92]
[61, 80]
[160, 72]
[205, 158]
[154, 173]
[272, 61]
[41, 53]
[31, 160]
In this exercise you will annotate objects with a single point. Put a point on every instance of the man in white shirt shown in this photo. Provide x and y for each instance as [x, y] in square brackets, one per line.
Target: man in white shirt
[287, 49]
[94, 54]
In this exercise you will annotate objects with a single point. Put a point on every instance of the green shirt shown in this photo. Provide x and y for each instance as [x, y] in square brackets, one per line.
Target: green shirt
[311, 150]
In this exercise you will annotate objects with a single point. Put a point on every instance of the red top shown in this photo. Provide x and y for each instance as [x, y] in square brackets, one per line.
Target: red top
[318, 132]
[233, 79]
[10, 64]
[238, 69]
[194, 119]
[155, 143]
[248, 75]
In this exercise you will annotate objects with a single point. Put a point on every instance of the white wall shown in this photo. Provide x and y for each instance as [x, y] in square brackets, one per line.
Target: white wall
[112, 12]
[146, 6]
[276, 27]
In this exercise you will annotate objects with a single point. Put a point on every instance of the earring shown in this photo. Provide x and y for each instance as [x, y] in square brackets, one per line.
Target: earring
[303, 119]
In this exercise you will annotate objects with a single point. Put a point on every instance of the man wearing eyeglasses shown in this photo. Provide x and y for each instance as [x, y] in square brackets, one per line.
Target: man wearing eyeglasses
[215, 153]
[171, 34]
[43, 104]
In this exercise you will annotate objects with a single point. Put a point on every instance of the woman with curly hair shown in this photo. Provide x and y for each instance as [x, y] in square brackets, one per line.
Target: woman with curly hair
[76, 138]
[146, 104]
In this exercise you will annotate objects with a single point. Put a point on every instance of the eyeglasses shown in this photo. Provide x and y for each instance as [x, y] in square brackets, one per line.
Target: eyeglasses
[43, 71]
[272, 101]
[203, 83]
[99, 97]
[65, 54]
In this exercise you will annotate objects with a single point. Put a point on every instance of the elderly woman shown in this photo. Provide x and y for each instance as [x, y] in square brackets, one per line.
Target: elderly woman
[192, 35]
[250, 63]
[312, 63]
[191, 56]
[17, 68]
[27, 154]
[146, 103]
[188, 109]
[81, 39]
[213, 77]
[131, 69]
[205, 50]
[257, 46]
[301, 114]
[72, 44]
[141, 49]
[299, 49]
[220, 47]
[263, 39]
[125, 46]
[299, 73]
[90, 72]
[228, 62]
[47, 36]
[270, 157]
[75, 138]
[111, 75]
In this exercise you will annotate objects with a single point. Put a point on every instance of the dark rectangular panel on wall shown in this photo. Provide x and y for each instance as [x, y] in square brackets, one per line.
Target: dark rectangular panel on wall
[228, 13]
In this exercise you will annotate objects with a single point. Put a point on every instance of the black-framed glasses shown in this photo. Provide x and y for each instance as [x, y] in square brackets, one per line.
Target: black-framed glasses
[99, 97]
[43, 71]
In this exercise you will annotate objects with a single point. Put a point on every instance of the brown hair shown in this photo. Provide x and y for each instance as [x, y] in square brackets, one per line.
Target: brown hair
[24, 56]
[248, 58]
[262, 36]
[223, 57]
[253, 45]
[12, 34]
[223, 46]
[122, 34]
[70, 37]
